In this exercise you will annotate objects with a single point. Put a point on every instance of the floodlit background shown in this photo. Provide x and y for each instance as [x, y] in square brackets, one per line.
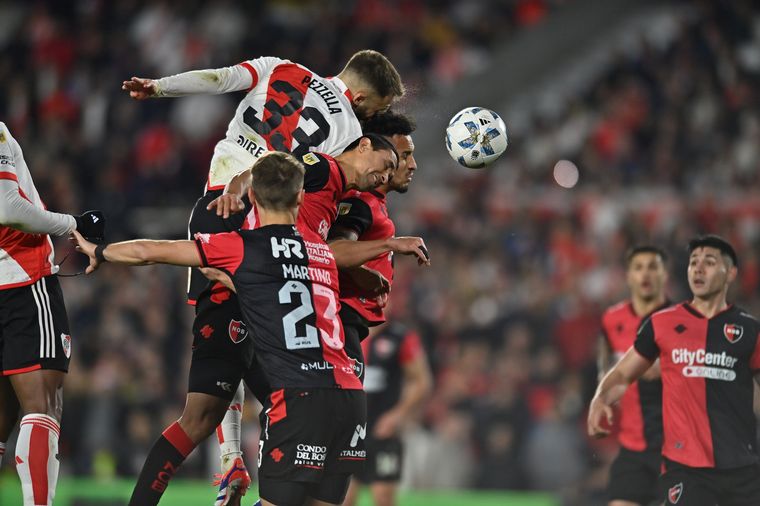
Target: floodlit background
[629, 121]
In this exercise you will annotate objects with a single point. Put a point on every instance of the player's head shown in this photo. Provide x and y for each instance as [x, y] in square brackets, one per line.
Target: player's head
[277, 182]
[398, 129]
[373, 81]
[369, 161]
[646, 274]
[712, 266]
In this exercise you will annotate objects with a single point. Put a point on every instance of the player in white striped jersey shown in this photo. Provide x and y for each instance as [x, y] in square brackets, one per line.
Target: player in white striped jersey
[35, 343]
[288, 108]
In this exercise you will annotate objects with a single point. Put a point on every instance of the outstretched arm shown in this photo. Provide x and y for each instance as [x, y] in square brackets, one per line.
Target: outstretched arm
[140, 252]
[194, 82]
[352, 253]
[612, 387]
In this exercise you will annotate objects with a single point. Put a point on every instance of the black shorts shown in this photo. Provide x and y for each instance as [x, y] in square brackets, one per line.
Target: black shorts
[384, 459]
[312, 437]
[257, 381]
[355, 329]
[34, 328]
[694, 486]
[222, 347]
[634, 475]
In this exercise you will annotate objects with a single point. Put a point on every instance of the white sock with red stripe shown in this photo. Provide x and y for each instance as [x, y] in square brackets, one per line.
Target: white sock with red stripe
[37, 458]
[228, 432]
[2, 452]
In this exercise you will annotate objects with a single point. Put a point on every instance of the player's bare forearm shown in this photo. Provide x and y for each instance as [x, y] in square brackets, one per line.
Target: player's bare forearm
[350, 253]
[602, 357]
[418, 384]
[240, 183]
[630, 368]
[146, 252]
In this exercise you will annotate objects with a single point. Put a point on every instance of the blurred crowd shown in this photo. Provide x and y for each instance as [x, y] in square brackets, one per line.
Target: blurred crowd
[665, 141]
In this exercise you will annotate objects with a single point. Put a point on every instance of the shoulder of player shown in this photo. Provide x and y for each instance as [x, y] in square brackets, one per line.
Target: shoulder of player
[744, 315]
[616, 309]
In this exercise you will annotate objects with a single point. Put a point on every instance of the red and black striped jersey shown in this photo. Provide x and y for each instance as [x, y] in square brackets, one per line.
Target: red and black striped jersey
[366, 213]
[324, 184]
[385, 355]
[641, 406]
[287, 108]
[287, 284]
[707, 375]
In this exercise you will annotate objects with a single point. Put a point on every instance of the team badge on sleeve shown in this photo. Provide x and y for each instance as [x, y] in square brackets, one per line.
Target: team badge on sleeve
[344, 208]
[733, 332]
[310, 159]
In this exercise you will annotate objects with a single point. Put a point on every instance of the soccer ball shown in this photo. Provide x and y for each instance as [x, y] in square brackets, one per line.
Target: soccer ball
[476, 137]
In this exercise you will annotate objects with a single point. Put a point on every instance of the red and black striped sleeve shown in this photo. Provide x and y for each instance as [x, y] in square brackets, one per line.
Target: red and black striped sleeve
[645, 342]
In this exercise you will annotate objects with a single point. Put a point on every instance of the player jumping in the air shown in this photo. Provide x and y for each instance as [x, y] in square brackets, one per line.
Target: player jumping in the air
[287, 281]
[287, 108]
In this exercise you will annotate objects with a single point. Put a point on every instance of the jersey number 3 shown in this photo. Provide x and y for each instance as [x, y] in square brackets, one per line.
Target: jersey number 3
[293, 341]
[271, 129]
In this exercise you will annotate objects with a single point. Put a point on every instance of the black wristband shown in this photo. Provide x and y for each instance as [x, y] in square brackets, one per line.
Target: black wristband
[99, 253]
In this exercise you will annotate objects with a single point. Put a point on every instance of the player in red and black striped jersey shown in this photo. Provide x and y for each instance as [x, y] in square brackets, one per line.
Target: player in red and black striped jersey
[364, 221]
[364, 226]
[289, 108]
[397, 380]
[634, 473]
[709, 351]
[286, 278]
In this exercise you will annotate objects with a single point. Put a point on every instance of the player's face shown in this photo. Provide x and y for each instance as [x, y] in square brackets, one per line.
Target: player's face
[402, 176]
[375, 167]
[646, 276]
[709, 272]
[367, 105]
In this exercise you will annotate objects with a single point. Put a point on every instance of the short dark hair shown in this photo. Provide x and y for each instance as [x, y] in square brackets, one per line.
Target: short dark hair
[389, 123]
[714, 241]
[277, 178]
[644, 248]
[378, 143]
[377, 72]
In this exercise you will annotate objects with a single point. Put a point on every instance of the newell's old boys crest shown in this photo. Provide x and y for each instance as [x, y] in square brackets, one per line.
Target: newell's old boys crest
[733, 332]
[674, 493]
[66, 343]
[238, 331]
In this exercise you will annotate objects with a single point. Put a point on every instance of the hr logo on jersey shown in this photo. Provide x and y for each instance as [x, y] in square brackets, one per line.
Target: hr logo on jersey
[66, 343]
[237, 330]
[288, 247]
[733, 332]
[674, 493]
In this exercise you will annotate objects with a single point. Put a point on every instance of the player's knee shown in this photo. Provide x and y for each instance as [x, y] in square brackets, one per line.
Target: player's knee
[201, 423]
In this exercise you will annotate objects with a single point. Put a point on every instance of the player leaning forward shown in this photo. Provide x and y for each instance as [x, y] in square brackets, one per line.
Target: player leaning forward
[35, 342]
[287, 282]
[708, 351]
[288, 108]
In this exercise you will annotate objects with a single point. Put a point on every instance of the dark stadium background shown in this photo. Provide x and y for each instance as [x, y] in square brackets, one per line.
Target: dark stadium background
[654, 103]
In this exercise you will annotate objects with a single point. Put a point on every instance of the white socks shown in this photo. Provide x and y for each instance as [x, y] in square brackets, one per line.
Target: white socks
[228, 432]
